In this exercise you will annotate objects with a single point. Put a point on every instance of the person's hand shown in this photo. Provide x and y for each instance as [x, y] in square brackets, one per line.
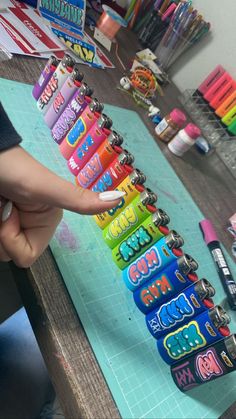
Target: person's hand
[32, 199]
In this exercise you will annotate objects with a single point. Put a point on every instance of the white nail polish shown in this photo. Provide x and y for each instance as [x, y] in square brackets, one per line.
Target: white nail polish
[7, 211]
[111, 195]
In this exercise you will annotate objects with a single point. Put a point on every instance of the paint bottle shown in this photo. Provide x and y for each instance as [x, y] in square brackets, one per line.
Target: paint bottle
[151, 230]
[191, 302]
[63, 70]
[86, 148]
[90, 115]
[153, 261]
[108, 151]
[130, 218]
[206, 365]
[184, 140]
[45, 76]
[115, 173]
[205, 329]
[166, 284]
[79, 101]
[170, 125]
[62, 98]
[132, 185]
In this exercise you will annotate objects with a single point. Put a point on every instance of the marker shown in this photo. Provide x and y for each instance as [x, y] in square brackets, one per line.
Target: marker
[226, 106]
[232, 128]
[217, 86]
[224, 93]
[229, 117]
[210, 80]
[224, 272]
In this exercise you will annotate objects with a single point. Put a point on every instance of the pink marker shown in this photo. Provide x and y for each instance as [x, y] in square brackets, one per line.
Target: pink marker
[217, 86]
[86, 148]
[211, 79]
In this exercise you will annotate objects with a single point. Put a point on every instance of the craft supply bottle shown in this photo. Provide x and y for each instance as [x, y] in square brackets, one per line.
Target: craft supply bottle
[166, 284]
[191, 302]
[86, 148]
[108, 151]
[206, 365]
[130, 218]
[151, 230]
[90, 115]
[79, 101]
[205, 329]
[45, 76]
[153, 261]
[170, 125]
[184, 139]
[62, 98]
[132, 185]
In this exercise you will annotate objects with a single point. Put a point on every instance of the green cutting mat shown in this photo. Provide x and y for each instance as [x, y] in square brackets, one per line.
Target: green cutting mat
[138, 378]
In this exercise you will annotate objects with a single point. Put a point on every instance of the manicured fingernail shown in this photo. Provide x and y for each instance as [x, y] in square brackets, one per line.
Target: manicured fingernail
[111, 195]
[7, 211]
[2, 201]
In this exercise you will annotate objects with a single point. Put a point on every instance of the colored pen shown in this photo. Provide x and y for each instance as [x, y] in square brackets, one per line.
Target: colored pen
[224, 272]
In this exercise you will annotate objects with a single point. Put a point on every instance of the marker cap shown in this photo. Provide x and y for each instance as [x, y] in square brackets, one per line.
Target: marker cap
[208, 231]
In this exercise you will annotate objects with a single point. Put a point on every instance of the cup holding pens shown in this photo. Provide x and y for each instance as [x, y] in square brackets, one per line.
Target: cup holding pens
[171, 47]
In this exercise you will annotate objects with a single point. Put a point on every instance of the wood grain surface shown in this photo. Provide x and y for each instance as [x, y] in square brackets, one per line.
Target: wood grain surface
[77, 378]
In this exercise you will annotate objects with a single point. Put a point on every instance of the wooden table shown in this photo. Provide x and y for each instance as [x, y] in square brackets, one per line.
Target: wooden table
[77, 378]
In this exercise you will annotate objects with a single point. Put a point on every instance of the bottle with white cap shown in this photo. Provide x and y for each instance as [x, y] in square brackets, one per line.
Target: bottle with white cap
[185, 138]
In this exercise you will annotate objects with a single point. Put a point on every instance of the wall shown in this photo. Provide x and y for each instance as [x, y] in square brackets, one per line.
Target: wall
[218, 48]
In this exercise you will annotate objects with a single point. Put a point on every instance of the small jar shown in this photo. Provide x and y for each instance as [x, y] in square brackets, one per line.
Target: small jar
[170, 125]
[184, 139]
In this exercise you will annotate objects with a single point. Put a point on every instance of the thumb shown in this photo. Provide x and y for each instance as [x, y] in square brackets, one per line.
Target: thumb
[24, 246]
[37, 184]
[50, 189]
